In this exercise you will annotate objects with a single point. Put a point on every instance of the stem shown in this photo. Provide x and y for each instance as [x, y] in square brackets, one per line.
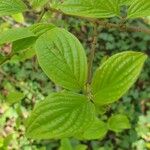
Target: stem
[7, 58]
[107, 24]
[92, 53]
[122, 27]
[41, 15]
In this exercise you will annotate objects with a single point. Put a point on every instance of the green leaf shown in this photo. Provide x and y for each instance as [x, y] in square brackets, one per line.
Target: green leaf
[14, 97]
[90, 8]
[38, 3]
[9, 7]
[60, 115]
[116, 75]
[40, 28]
[18, 17]
[24, 55]
[65, 144]
[62, 58]
[125, 2]
[119, 122]
[81, 147]
[97, 130]
[12, 35]
[37, 29]
[139, 8]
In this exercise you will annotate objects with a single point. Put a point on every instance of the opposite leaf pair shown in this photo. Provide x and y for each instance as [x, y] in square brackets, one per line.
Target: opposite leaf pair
[67, 114]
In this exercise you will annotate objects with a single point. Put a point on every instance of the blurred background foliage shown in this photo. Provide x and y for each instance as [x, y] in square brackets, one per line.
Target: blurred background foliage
[23, 83]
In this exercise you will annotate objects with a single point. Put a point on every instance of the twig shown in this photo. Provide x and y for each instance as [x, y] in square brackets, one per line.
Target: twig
[6, 58]
[107, 24]
[41, 15]
[92, 53]
[122, 27]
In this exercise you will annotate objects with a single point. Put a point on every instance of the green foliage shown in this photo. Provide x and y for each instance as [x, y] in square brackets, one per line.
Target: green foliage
[14, 97]
[38, 3]
[15, 34]
[62, 58]
[97, 130]
[63, 114]
[18, 17]
[118, 122]
[92, 9]
[65, 144]
[116, 76]
[9, 7]
[139, 8]
[36, 29]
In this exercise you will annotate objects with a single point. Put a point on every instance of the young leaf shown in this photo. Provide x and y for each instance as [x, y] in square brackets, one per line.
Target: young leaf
[90, 8]
[62, 58]
[65, 144]
[81, 147]
[12, 35]
[9, 7]
[60, 115]
[38, 3]
[119, 122]
[37, 29]
[139, 8]
[18, 17]
[14, 97]
[116, 75]
[97, 130]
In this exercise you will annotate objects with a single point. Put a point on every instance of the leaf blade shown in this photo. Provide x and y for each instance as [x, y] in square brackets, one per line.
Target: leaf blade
[118, 122]
[116, 76]
[62, 58]
[15, 34]
[139, 8]
[91, 9]
[60, 115]
[10, 7]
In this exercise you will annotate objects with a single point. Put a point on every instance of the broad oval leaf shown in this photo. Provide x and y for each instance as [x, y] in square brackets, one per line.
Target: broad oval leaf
[90, 8]
[15, 34]
[139, 8]
[62, 58]
[97, 130]
[116, 75]
[118, 122]
[60, 115]
[9, 7]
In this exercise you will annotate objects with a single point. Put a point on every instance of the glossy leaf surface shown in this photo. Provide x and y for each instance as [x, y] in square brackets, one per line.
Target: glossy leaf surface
[139, 8]
[90, 8]
[37, 29]
[118, 122]
[9, 7]
[116, 75]
[60, 115]
[15, 34]
[97, 130]
[62, 58]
